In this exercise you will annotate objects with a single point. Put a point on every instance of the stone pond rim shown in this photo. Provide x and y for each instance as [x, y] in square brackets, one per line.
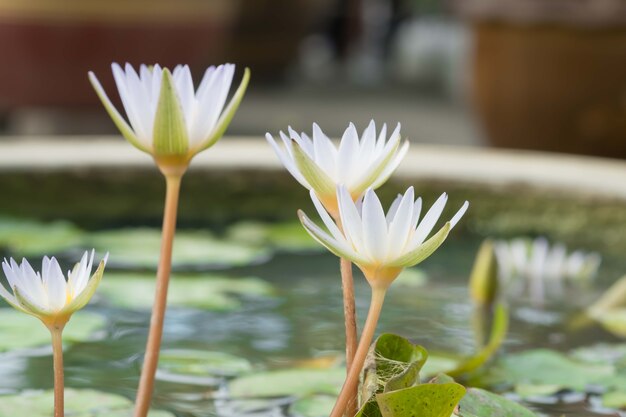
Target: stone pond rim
[102, 182]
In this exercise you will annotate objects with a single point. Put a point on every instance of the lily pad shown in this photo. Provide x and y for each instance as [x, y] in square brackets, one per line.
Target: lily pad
[29, 237]
[20, 331]
[198, 367]
[543, 367]
[313, 406]
[206, 291]
[410, 277]
[78, 403]
[288, 382]
[481, 403]
[140, 248]
[425, 400]
[283, 236]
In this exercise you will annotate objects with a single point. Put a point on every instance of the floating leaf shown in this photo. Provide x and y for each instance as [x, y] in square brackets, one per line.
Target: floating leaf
[284, 236]
[289, 382]
[21, 331]
[481, 403]
[313, 406]
[78, 403]
[140, 248]
[410, 277]
[206, 291]
[543, 367]
[29, 237]
[199, 367]
[425, 400]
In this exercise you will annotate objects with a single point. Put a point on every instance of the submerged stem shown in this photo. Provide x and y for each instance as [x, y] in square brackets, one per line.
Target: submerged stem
[352, 380]
[57, 358]
[349, 312]
[151, 359]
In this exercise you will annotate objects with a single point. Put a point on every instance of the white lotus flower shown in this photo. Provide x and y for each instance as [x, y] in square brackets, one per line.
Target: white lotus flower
[541, 266]
[167, 118]
[381, 245]
[46, 294]
[358, 164]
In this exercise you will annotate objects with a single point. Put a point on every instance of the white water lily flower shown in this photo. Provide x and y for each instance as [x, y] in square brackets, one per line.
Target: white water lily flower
[47, 294]
[381, 245]
[542, 267]
[358, 164]
[168, 119]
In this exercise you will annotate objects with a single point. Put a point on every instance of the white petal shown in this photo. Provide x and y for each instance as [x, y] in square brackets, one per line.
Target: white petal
[374, 226]
[287, 161]
[455, 219]
[56, 286]
[350, 219]
[347, 155]
[330, 224]
[428, 222]
[325, 154]
[400, 226]
[417, 210]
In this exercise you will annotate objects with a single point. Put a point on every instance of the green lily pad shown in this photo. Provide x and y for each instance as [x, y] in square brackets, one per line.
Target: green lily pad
[140, 248]
[440, 363]
[313, 406]
[21, 331]
[410, 277]
[198, 367]
[283, 236]
[425, 400]
[78, 403]
[543, 367]
[601, 354]
[206, 291]
[481, 403]
[28, 237]
[298, 382]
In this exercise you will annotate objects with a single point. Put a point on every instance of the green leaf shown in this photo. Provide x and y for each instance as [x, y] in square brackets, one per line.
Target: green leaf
[140, 248]
[289, 382]
[29, 237]
[199, 367]
[313, 406]
[484, 276]
[205, 291]
[481, 403]
[170, 135]
[78, 403]
[425, 400]
[20, 331]
[544, 367]
[227, 115]
[289, 237]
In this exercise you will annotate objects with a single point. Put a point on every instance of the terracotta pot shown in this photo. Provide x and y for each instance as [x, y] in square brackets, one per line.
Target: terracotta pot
[555, 84]
[48, 47]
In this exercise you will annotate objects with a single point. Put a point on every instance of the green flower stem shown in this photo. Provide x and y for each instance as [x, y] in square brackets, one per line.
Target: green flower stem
[349, 312]
[352, 380]
[57, 357]
[151, 359]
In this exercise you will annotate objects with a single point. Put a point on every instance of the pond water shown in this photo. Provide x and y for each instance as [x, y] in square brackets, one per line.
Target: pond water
[288, 315]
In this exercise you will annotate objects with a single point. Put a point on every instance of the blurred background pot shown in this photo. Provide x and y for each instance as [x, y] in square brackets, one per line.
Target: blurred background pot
[550, 75]
[53, 44]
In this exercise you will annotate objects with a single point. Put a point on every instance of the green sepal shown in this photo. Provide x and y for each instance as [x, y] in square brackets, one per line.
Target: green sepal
[424, 250]
[321, 238]
[27, 307]
[117, 118]
[312, 173]
[83, 298]
[170, 136]
[227, 115]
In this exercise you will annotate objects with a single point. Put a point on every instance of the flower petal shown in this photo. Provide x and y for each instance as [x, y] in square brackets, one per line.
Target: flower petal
[328, 241]
[312, 173]
[85, 295]
[374, 226]
[424, 250]
[430, 219]
[170, 135]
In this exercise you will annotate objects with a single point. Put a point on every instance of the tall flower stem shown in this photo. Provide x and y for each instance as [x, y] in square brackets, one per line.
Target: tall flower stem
[57, 358]
[352, 380]
[151, 359]
[349, 313]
